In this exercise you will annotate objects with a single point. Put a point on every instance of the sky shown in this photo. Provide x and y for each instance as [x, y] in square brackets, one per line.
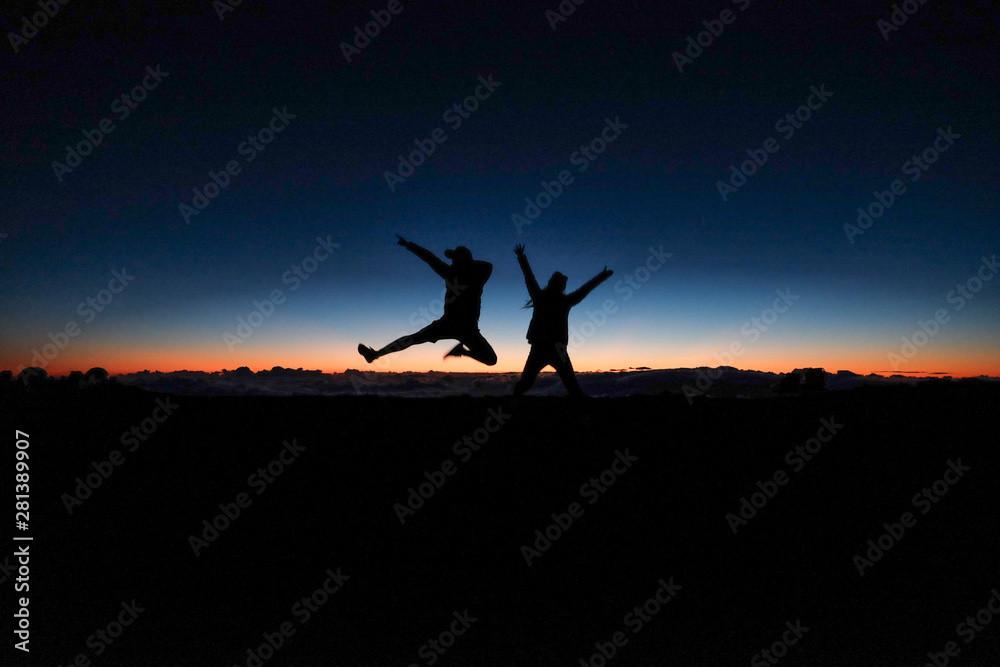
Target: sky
[713, 155]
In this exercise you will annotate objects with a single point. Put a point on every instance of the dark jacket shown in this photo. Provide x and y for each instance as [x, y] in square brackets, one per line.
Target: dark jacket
[550, 321]
[464, 283]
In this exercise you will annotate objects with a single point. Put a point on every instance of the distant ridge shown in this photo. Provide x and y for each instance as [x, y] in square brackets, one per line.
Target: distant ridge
[723, 381]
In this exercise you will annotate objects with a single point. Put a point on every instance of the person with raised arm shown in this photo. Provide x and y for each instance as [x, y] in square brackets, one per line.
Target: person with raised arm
[464, 279]
[548, 332]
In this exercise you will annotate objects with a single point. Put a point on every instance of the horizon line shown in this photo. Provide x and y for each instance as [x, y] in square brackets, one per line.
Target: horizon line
[489, 371]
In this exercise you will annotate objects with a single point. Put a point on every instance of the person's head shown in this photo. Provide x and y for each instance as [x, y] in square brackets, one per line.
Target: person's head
[557, 282]
[459, 255]
[557, 285]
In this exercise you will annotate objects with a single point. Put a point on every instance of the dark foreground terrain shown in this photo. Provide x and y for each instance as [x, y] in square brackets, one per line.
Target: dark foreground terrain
[652, 523]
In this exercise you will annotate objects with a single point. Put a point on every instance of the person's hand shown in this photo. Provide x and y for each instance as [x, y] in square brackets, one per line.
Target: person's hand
[606, 273]
[519, 250]
[401, 241]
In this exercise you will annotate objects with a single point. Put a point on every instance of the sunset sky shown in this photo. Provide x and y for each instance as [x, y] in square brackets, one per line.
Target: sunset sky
[645, 135]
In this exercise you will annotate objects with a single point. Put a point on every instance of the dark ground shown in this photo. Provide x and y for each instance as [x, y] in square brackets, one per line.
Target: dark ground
[665, 517]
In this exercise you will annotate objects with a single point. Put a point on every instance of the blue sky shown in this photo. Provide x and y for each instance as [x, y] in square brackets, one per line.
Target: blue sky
[323, 175]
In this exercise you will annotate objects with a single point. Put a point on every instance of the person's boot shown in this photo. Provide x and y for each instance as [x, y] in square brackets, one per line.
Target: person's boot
[369, 354]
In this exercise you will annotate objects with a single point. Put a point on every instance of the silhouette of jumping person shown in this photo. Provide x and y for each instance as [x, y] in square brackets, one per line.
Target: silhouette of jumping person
[464, 279]
[548, 332]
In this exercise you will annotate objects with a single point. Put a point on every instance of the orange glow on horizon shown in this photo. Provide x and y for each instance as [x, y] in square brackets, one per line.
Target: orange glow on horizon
[126, 361]
[312, 352]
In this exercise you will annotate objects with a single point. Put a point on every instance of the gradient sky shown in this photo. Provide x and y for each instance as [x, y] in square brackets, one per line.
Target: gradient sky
[654, 186]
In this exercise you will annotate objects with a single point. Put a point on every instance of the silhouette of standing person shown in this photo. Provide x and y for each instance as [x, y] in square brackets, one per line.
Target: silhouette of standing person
[464, 279]
[548, 332]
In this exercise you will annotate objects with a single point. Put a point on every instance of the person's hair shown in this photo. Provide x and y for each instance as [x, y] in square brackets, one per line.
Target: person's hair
[530, 303]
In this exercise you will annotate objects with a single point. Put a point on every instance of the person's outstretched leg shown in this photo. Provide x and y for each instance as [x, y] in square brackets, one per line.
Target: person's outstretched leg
[564, 367]
[535, 363]
[428, 334]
